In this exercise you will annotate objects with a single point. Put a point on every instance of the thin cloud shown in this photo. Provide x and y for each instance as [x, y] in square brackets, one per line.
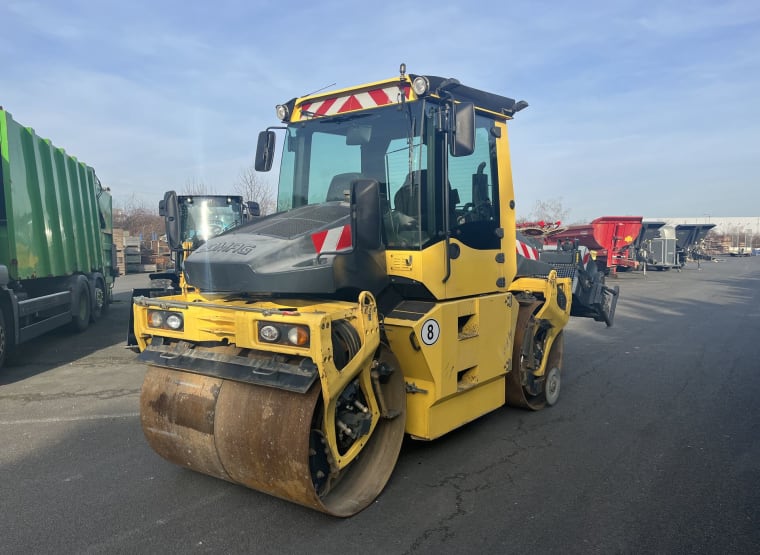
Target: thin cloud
[636, 107]
[47, 20]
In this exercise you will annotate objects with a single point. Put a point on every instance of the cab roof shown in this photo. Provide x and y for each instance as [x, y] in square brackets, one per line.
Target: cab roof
[385, 92]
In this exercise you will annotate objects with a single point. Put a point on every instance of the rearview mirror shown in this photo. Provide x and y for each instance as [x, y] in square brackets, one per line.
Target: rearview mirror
[358, 135]
[365, 214]
[253, 208]
[171, 219]
[264, 151]
[462, 141]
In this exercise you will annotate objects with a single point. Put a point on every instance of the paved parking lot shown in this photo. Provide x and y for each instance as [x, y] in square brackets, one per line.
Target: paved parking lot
[653, 447]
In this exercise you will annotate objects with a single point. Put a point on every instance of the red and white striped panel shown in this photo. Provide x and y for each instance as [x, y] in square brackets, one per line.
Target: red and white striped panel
[525, 250]
[585, 254]
[354, 101]
[332, 240]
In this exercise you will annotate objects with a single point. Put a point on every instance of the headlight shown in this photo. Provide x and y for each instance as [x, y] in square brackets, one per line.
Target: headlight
[269, 333]
[165, 319]
[420, 85]
[298, 335]
[174, 321]
[282, 112]
[284, 334]
[155, 319]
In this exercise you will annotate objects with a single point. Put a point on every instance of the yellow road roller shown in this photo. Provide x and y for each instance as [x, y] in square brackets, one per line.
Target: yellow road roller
[385, 297]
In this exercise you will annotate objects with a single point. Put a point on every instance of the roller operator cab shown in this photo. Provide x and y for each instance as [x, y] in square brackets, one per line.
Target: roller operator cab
[382, 298]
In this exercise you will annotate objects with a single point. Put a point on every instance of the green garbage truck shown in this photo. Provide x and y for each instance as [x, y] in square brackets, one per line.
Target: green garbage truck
[57, 258]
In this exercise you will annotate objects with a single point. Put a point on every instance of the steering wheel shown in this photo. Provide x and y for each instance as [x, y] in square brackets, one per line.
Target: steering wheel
[468, 213]
[403, 221]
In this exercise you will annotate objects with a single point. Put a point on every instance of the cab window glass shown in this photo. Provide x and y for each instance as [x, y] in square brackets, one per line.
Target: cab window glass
[330, 156]
[474, 191]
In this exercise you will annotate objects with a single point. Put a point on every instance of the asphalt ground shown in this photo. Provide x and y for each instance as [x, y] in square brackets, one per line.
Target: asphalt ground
[653, 447]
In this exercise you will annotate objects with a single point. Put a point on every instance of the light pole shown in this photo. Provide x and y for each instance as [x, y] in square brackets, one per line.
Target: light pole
[749, 238]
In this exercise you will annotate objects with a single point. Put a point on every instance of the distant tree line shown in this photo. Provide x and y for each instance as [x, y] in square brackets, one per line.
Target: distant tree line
[139, 219]
[549, 211]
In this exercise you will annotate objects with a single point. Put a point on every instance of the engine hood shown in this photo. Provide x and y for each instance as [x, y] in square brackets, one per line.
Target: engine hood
[277, 255]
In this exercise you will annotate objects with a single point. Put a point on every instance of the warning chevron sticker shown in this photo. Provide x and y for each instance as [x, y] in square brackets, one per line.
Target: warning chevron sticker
[354, 101]
[527, 251]
[332, 240]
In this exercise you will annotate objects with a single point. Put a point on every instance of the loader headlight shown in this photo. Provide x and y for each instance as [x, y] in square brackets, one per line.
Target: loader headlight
[155, 318]
[174, 321]
[165, 319]
[284, 334]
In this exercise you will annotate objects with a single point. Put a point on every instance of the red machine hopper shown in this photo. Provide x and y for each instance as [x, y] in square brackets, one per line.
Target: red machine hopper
[609, 236]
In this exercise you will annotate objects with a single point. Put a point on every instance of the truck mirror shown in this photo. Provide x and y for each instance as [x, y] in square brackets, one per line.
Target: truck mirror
[365, 214]
[171, 219]
[162, 208]
[264, 151]
[253, 208]
[462, 141]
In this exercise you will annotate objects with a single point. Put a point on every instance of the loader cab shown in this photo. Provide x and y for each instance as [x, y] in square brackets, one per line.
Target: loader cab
[197, 218]
[202, 217]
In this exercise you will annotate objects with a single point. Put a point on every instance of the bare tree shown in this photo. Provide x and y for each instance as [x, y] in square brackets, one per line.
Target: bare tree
[194, 186]
[552, 210]
[251, 186]
[137, 218]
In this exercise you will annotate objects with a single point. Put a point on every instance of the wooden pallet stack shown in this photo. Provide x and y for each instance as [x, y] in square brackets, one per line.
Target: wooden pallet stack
[156, 256]
[127, 251]
[135, 256]
[132, 254]
[118, 243]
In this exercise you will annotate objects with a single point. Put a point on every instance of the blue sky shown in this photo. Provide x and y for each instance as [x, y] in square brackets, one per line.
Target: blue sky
[636, 107]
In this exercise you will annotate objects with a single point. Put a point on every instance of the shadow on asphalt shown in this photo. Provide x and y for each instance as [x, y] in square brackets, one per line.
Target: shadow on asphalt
[64, 346]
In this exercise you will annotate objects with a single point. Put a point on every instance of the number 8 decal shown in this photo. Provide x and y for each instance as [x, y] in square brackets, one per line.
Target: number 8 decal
[430, 331]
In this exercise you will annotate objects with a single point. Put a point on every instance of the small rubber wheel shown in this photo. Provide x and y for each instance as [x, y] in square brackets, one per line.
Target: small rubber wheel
[552, 386]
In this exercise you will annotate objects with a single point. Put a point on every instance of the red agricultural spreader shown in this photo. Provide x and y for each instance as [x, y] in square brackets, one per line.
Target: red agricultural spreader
[610, 237]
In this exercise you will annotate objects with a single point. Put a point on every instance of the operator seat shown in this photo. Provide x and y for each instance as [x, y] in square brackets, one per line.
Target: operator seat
[340, 185]
[406, 199]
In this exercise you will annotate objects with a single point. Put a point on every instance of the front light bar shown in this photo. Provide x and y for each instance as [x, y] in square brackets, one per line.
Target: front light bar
[283, 334]
[166, 320]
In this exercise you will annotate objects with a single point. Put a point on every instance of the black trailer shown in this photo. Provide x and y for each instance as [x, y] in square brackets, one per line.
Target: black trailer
[689, 239]
[656, 246]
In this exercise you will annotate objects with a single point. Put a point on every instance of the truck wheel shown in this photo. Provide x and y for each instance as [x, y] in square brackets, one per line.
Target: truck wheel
[3, 341]
[99, 302]
[80, 318]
